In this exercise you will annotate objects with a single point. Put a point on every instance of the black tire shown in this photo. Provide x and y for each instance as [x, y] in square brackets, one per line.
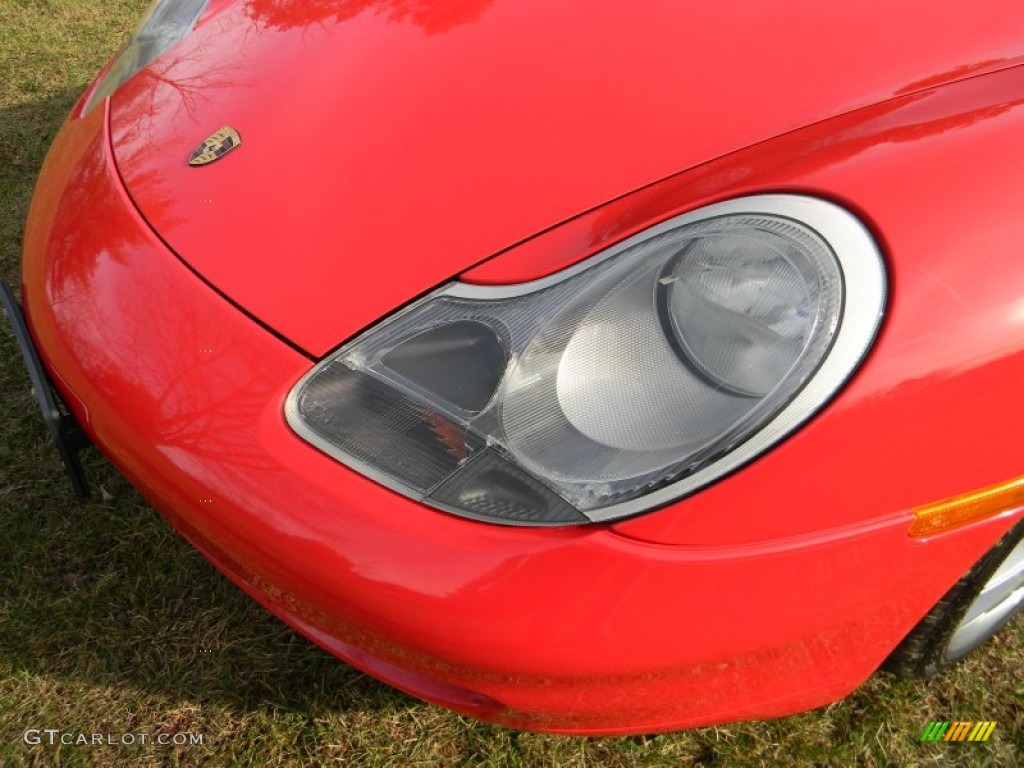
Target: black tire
[926, 651]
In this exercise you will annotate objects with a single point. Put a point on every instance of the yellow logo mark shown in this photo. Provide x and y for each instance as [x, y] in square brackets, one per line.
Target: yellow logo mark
[216, 146]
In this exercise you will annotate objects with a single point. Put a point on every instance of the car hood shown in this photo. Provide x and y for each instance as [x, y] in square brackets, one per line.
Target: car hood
[389, 145]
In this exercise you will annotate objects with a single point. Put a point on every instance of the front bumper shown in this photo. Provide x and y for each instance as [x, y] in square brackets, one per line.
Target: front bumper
[565, 630]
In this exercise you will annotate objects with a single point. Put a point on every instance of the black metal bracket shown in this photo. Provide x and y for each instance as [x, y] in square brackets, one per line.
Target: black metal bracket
[65, 430]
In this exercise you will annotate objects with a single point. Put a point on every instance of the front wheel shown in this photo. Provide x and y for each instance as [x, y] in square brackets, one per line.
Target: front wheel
[977, 607]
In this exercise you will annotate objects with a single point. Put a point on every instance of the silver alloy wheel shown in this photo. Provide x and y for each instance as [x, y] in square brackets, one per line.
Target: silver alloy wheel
[983, 601]
[999, 599]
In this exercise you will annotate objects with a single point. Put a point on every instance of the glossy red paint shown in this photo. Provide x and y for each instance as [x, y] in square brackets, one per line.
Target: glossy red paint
[432, 135]
[778, 589]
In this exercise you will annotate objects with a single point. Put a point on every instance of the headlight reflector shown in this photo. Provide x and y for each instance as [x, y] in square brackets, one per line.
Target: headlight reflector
[617, 385]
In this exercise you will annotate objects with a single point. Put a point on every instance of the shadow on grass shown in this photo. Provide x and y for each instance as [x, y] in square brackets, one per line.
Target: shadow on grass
[106, 594]
[26, 131]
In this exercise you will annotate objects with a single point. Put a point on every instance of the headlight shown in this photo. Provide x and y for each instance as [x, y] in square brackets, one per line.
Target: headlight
[615, 386]
[164, 23]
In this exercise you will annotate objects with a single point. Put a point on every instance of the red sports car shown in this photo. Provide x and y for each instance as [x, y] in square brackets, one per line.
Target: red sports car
[583, 367]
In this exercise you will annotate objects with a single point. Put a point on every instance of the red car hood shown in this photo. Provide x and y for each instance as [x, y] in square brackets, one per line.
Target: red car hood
[391, 144]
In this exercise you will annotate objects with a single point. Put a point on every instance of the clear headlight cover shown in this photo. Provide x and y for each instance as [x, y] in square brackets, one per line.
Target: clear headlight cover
[164, 23]
[615, 386]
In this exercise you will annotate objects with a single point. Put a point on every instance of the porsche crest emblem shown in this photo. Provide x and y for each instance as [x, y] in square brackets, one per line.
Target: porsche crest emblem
[216, 146]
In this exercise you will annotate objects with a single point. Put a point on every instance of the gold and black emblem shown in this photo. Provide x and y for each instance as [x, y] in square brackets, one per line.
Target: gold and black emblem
[216, 146]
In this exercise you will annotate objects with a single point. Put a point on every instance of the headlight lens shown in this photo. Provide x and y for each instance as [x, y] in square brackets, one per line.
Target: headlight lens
[615, 386]
[164, 24]
[745, 303]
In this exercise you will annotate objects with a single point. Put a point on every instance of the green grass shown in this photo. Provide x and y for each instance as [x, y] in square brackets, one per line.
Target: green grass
[111, 623]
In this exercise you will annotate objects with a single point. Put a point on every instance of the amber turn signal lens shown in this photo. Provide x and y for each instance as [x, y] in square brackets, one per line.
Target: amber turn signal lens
[967, 508]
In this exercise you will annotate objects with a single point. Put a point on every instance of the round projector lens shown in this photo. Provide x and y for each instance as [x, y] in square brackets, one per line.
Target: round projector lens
[741, 306]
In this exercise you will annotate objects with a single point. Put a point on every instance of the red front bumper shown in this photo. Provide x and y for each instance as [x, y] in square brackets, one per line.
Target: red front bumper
[569, 630]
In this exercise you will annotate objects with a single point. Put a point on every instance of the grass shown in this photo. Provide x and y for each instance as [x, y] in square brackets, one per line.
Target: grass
[110, 623]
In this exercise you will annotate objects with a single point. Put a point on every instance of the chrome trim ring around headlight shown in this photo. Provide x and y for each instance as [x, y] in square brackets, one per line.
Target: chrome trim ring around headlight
[862, 275]
[865, 293]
